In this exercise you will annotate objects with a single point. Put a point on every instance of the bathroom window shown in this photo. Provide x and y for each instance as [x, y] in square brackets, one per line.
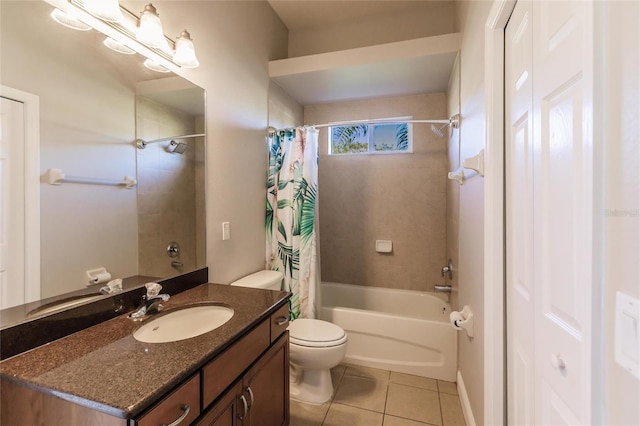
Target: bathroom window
[370, 139]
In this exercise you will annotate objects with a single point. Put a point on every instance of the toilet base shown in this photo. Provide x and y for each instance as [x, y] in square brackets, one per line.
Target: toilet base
[311, 386]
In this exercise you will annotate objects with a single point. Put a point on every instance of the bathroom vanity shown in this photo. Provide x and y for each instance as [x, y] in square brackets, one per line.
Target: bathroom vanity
[237, 374]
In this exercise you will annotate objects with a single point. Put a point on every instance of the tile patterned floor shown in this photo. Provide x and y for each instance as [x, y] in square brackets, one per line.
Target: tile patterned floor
[370, 397]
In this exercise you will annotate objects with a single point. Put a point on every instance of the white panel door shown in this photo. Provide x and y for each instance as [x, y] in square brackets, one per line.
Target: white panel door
[563, 200]
[520, 292]
[549, 187]
[12, 210]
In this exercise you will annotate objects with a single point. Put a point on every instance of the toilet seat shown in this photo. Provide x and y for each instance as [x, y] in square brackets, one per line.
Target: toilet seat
[315, 333]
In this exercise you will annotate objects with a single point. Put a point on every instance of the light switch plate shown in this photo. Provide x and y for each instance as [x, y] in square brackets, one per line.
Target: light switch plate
[226, 231]
[627, 337]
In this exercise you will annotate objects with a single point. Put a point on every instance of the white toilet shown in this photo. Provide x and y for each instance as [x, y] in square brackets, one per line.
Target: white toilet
[315, 347]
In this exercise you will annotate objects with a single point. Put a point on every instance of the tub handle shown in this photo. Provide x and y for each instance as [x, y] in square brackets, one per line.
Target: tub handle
[282, 320]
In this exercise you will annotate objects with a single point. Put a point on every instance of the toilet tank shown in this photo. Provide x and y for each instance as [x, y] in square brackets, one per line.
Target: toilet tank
[269, 280]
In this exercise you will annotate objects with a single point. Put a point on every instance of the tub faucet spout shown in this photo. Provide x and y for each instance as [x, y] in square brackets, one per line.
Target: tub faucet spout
[442, 288]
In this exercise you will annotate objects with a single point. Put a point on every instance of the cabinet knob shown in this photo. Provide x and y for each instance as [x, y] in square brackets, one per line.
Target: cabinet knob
[185, 412]
[557, 362]
[282, 320]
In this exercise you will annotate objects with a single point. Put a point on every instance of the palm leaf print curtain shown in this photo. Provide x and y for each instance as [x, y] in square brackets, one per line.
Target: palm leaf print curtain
[292, 190]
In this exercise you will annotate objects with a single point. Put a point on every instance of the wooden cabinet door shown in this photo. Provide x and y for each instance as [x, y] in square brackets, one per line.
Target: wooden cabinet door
[266, 387]
[225, 411]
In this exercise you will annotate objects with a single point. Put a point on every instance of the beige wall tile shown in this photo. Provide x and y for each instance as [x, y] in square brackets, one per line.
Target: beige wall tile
[167, 191]
[414, 403]
[341, 415]
[396, 197]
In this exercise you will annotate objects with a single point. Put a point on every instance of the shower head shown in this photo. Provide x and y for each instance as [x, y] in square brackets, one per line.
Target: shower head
[439, 130]
[177, 147]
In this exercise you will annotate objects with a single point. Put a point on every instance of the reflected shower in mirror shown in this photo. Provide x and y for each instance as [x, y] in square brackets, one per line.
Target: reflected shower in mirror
[93, 104]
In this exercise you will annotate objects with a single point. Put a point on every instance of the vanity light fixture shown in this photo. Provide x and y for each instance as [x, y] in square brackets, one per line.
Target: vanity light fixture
[129, 33]
[150, 28]
[154, 66]
[117, 46]
[185, 55]
[69, 21]
[107, 10]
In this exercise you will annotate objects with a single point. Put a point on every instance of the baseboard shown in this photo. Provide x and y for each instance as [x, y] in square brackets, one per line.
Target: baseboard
[464, 401]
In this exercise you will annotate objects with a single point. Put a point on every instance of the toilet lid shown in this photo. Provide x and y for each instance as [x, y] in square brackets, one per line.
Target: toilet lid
[315, 333]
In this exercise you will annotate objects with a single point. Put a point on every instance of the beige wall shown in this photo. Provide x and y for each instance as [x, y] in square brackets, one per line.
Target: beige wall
[234, 42]
[429, 18]
[284, 111]
[167, 190]
[82, 226]
[472, 16]
[621, 84]
[399, 197]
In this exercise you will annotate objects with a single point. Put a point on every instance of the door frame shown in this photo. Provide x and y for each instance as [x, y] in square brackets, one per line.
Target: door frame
[494, 266]
[31, 104]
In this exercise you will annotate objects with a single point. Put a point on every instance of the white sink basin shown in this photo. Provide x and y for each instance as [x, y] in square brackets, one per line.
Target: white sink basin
[183, 323]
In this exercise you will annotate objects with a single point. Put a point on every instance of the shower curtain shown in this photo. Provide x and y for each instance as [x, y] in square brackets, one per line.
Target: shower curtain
[292, 189]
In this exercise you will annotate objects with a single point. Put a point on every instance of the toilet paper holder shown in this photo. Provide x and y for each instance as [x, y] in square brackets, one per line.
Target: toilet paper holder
[98, 276]
[462, 320]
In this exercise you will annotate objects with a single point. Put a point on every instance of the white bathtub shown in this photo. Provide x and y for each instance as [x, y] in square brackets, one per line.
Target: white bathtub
[398, 330]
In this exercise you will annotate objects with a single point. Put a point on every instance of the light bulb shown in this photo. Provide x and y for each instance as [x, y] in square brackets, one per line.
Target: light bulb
[108, 10]
[150, 28]
[185, 55]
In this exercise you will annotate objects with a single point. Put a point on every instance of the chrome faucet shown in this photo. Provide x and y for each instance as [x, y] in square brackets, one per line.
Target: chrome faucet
[445, 288]
[447, 269]
[151, 302]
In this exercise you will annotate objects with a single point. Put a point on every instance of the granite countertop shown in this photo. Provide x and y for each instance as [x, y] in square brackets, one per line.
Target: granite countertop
[22, 313]
[103, 367]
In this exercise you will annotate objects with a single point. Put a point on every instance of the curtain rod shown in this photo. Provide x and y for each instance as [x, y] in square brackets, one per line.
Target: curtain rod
[141, 144]
[452, 122]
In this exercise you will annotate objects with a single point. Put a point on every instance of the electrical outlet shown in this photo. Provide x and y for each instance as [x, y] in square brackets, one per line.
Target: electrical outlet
[226, 231]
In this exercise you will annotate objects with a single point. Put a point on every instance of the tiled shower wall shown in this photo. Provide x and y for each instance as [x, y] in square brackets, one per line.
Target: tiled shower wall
[398, 197]
[170, 190]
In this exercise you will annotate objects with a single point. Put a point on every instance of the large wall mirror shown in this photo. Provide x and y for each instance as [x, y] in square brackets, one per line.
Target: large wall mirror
[93, 104]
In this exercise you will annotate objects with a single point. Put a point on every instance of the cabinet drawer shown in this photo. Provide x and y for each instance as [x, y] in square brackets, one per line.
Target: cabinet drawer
[228, 366]
[279, 322]
[174, 405]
